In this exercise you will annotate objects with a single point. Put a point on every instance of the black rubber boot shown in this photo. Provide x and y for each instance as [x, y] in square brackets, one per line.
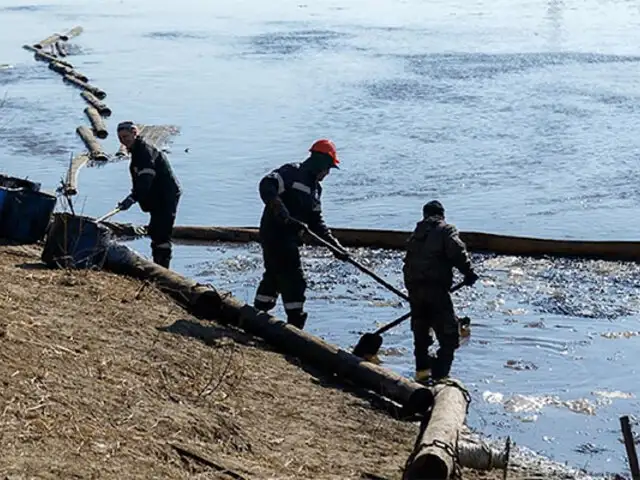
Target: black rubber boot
[297, 319]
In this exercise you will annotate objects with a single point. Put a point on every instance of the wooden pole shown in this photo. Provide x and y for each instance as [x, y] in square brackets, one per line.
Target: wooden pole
[92, 100]
[435, 453]
[630, 446]
[85, 86]
[99, 128]
[95, 150]
[206, 302]
[64, 70]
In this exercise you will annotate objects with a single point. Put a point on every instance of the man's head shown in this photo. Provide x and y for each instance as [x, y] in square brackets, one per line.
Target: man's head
[324, 157]
[127, 133]
[433, 209]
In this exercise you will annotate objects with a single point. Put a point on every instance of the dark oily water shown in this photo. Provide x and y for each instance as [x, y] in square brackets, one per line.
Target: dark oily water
[520, 116]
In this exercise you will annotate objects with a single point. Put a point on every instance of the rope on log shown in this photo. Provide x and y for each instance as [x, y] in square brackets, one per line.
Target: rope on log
[208, 303]
[95, 150]
[99, 128]
[85, 86]
[46, 57]
[435, 455]
[92, 100]
[64, 70]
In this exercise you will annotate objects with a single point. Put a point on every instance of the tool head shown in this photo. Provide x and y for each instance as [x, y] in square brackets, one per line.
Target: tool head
[368, 345]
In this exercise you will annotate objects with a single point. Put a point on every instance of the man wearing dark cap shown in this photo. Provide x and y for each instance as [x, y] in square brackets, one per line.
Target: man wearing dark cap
[291, 195]
[155, 188]
[433, 249]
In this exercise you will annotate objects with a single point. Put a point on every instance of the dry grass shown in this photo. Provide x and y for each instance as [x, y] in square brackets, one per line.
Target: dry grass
[102, 376]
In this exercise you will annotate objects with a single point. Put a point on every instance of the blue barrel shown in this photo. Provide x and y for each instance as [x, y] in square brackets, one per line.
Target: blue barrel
[14, 182]
[26, 215]
[74, 241]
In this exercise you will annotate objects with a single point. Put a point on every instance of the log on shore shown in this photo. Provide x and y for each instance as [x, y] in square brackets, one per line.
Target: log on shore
[46, 57]
[94, 147]
[85, 86]
[435, 454]
[208, 303]
[99, 127]
[64, 70]
[92, 100]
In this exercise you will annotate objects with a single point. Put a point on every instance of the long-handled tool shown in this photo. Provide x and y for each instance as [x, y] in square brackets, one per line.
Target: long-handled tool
[108, 215]
[353, 262]
[370, 343]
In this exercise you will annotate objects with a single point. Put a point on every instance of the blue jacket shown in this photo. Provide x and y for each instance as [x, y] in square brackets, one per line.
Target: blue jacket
[297, 186]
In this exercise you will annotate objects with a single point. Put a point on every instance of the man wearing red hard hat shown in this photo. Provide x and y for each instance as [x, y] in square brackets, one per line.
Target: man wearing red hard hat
[291, 195]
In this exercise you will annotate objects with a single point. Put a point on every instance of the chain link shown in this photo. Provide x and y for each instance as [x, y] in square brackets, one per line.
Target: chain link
[450, 383]
[453, 454]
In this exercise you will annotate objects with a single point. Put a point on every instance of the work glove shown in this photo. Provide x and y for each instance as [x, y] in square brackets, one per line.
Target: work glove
[471, 278]
[126, 203]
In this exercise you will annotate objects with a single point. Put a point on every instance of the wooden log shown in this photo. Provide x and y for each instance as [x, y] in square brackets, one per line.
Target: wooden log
[630, 447]
[73, 32]
[396, 240]
[45, 57]
[206, 302]
[434, 454]
[85, 86]
[50, 40]
[95, 150]
[61, 48]
[99, 128]
[64, 70]
[71, 182]
[56, 37]
[92, 100]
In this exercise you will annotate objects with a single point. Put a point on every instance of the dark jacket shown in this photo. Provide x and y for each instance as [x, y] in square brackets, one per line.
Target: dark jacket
[433, 249]
[155, 186]
[297, 186]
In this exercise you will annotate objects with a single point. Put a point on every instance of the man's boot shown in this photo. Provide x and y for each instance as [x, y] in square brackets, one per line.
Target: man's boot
[161, 254]
[297, 319]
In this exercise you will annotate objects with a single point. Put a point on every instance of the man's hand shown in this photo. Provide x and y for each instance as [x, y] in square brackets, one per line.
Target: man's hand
[471, 278]
[126, 203]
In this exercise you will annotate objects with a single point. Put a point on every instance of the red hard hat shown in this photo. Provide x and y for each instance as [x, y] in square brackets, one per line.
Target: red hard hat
[328, 148]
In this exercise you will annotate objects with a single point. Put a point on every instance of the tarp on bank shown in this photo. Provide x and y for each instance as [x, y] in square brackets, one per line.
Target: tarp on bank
[396, 239]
